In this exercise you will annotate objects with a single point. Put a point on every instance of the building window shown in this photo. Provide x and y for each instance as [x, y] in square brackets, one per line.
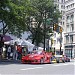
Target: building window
[67, 39]
[67, 28]
[68, 19]
[67, 7]
[62, 6]
[63, 23]
[72, 5]
[62, 1]
[72, 27]
[71, 38]
[72, 17]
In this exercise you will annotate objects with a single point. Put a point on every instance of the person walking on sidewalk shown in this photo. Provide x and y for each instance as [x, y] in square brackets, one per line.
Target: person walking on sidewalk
[9, 51]
[15, 53]
[3, 51]
[19, 50]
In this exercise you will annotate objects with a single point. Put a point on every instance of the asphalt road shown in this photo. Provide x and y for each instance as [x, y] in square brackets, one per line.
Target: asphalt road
[8, 68]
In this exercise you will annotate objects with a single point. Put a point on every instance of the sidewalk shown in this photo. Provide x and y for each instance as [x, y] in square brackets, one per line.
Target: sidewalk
[11, 61]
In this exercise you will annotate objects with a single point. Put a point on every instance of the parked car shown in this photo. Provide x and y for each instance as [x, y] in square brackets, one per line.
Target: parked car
[67, 59]
[60, 59]
[37, 57]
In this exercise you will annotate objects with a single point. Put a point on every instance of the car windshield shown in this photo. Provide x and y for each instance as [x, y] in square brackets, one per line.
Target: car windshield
[36, 52]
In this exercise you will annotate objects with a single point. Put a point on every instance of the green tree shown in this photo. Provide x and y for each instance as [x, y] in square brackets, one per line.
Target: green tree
[43, 11]
[12, 16]
[18, 16]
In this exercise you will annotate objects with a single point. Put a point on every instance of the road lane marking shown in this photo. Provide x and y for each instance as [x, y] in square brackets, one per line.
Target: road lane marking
[64, 64]
[31, 68]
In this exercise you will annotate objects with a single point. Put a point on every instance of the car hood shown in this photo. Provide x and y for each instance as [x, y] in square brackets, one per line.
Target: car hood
[32, 56]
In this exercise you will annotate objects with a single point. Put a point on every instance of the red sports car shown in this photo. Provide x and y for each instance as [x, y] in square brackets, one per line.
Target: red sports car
[37, 57]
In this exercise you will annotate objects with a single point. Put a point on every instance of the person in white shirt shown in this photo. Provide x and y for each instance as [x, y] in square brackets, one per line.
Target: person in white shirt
[3, 51]
[9, 51]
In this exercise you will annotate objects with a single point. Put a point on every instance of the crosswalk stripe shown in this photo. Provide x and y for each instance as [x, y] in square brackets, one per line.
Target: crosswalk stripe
[31, 68]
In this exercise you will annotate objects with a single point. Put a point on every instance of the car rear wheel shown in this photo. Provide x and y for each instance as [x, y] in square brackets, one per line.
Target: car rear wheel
[57, 61]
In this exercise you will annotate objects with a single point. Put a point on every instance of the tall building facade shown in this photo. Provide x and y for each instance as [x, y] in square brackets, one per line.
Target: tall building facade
[67, 9]
[69, 34]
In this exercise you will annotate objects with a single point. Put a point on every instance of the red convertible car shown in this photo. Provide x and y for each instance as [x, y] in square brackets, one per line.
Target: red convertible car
[37, 57]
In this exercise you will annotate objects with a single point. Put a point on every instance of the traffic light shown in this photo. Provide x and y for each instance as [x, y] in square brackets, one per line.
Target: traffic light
[61, 29]
[55, 27]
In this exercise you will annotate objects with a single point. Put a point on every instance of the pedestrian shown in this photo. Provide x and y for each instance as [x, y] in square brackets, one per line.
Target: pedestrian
[9, 51]
[34, 51]
[19, 50]
[3, 51]
[15, 53]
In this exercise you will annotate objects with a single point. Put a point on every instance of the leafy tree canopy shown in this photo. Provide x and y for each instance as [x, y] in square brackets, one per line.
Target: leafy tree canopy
[18, 16]
[43, 11]
[12, 16]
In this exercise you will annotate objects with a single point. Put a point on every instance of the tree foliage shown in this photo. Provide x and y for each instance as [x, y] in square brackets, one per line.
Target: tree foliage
[43, 10]
[12, 16]
[18, 16]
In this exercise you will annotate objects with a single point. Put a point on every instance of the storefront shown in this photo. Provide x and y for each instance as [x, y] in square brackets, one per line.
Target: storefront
[70, 51]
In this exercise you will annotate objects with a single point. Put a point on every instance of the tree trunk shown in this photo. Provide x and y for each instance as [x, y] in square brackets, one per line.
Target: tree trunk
[3, 28]
[33, 40]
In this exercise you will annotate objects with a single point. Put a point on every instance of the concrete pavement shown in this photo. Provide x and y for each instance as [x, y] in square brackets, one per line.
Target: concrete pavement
[37, 69]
